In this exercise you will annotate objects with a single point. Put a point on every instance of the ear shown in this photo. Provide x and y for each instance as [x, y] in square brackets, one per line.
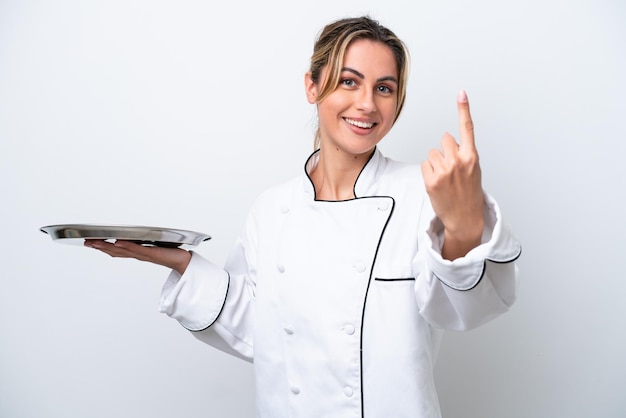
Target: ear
[310, 88]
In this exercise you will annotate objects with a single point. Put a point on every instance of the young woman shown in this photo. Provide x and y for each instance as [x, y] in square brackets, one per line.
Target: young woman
[345, 277]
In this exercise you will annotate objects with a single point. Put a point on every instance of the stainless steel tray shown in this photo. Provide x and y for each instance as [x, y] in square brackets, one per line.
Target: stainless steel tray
[145, 235]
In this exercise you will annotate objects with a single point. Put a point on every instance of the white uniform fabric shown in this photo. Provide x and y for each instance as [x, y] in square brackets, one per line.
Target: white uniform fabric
[341, 305]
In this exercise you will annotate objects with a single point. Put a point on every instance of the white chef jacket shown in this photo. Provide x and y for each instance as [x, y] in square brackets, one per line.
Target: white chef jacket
[341, 304]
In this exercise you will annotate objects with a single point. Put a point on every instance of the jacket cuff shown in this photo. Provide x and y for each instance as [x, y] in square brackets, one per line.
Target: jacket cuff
[197, 297]
[497, 245]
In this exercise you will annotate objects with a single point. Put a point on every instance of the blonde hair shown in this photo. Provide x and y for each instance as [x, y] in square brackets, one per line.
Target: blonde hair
[330, 49]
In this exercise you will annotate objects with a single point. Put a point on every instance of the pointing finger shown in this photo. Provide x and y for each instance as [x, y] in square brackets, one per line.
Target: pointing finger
[466, 126]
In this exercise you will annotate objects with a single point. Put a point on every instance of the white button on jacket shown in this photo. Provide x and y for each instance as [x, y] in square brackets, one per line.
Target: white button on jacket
[363, 283]
[348, 329]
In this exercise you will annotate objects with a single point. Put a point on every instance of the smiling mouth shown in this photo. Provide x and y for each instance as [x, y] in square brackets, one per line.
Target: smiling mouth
[359, 124]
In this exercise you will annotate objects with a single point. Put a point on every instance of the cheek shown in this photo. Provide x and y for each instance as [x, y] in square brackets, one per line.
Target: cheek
[388, 108]
[333, 106]
[339, 102]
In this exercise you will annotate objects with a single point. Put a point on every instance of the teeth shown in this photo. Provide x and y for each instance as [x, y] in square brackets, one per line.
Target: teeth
[366, 125]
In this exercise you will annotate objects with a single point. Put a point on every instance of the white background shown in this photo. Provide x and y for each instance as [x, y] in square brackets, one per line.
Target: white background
[179, 113]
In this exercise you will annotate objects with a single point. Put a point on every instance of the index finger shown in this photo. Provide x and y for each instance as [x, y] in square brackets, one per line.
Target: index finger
[466, 126]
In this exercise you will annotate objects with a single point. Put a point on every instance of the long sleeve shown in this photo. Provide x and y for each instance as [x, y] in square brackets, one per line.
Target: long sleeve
[217, 304]
[471, 290]
[197, 297]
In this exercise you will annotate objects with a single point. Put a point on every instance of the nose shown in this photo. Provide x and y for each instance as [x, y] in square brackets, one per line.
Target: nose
[366, 101]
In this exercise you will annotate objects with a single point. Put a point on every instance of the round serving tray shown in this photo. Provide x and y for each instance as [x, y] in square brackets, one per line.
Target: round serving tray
[145, 235]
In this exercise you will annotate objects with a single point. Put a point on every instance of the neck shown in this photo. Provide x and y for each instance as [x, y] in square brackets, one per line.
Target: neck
[336, 173]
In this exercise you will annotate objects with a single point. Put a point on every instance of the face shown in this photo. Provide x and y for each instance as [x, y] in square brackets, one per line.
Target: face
[360, 112]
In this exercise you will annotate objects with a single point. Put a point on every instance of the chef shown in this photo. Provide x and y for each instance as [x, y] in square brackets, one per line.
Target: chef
[344, 278]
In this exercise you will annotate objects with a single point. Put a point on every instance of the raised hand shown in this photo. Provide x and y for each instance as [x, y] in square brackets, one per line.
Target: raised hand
[453, 181]
[174, 258]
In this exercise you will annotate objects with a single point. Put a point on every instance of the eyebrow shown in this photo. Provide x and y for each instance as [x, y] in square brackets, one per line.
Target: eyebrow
[361, 76]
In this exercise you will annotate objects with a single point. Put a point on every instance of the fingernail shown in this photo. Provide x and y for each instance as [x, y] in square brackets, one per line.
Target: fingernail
[462, 97]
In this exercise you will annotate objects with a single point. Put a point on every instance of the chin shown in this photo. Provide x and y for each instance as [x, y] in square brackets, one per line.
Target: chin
[358, 151]
[360, 148]
[356, 145]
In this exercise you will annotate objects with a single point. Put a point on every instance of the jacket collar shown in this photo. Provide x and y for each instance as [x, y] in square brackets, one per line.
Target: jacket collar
[365, 182]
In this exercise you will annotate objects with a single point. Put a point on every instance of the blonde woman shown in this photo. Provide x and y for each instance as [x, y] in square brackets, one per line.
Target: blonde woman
[344, 277]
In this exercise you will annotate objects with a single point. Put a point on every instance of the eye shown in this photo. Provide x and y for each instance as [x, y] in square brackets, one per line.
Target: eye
[348, 82]
[384, 89]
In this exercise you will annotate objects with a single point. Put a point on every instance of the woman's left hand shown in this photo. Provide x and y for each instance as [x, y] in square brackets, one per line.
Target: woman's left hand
[453, 181]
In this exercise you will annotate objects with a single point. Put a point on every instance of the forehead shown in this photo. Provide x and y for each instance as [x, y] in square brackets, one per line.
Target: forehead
[372, 56]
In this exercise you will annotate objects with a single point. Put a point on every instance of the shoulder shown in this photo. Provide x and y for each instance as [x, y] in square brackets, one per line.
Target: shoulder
[275, 195]
[401, 174]
[401, 168]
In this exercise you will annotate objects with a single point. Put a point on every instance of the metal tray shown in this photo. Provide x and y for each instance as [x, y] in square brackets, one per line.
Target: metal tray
[145, 235]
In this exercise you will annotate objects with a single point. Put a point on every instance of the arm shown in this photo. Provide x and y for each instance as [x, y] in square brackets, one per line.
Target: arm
[452, 178]
[214, 303]
[217, 304]
[468, 270]
[471, 290]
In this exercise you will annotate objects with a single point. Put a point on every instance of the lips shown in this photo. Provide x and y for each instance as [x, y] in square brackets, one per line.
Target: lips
[360, 124]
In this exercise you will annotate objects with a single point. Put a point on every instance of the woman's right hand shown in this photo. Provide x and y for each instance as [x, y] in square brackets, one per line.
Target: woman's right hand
[174, 258]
